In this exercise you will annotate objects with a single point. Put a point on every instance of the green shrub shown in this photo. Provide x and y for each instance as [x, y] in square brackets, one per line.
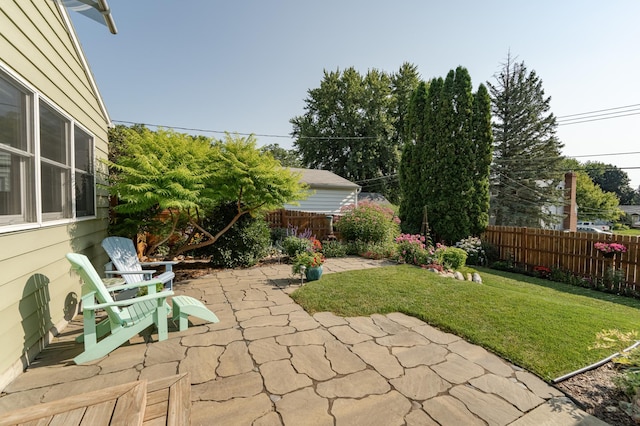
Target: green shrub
[453, 257]
[410, 249]
[293, 245]
[278, 235]
[334, 249]
[383, 250]
[245, 244]
[368, 222]
[629, 381]
[474, 249]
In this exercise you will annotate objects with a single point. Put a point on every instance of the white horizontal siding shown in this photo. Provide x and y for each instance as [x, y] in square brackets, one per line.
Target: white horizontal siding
[326, 201]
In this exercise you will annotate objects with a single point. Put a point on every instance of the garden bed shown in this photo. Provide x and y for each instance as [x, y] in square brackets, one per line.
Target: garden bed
[596, 393]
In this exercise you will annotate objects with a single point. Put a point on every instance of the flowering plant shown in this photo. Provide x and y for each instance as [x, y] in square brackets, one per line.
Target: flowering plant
[474, 249]
[542, 271]
[610, 247]
[308, 259]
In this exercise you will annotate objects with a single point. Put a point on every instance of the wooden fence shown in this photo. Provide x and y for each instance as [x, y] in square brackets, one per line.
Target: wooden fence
[316, 222]
[569, 251]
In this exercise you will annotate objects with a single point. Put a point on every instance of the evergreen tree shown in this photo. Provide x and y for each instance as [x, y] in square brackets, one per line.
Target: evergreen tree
[482, 147]
[445, 164]
[526, 165]
[412, 201]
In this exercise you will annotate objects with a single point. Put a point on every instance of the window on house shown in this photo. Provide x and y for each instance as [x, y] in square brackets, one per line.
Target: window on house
[63, 164]
[17, 181]
[85, 194]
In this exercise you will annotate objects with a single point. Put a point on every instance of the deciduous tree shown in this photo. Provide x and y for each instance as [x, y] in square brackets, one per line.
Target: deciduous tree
[349, 127]
[166, 171]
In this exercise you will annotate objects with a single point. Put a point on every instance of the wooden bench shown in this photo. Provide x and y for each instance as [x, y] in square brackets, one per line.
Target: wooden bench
[160, 402]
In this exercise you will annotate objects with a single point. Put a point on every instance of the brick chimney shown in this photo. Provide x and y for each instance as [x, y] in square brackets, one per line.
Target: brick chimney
[570, 221]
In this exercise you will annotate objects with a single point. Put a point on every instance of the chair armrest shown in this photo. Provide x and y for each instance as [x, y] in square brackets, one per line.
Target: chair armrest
[147, 283]
[128, 302]
[168, 264]
[142, 272]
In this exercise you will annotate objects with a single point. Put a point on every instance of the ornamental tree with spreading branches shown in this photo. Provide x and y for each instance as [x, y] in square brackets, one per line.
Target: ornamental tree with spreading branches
[182, 178]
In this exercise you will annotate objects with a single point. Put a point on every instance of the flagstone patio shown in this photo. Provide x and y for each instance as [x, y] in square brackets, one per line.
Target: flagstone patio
[268, 362]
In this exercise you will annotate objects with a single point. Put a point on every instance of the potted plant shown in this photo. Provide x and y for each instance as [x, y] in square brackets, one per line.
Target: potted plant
[610, 249]
[308, 263]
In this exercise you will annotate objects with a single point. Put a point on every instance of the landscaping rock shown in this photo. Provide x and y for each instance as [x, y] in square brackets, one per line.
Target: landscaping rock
[458, 276]
[476, 278]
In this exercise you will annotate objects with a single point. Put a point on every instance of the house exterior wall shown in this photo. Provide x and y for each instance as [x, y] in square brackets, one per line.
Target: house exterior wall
[38, 292]
[326, 201]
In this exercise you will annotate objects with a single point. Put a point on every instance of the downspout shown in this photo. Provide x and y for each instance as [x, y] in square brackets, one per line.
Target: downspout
[108, 19]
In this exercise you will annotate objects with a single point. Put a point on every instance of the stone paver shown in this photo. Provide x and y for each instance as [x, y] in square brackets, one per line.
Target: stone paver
[492, 409]
[225, 388]
[420, 355]
[356, 385]
[201, 363]
[280, 377]
[266, 350]
[342, 360]
[329, 319]
[310, 337]
[348, 335]
[513, 392]
[365, 325]
[457, 369]
[311, 360]
[388, 409]
[447, 410]
[269, 363]
[237, 411]
[379, 358]
[304, 407]
[235, 360]
[420, 383]
[558, 412]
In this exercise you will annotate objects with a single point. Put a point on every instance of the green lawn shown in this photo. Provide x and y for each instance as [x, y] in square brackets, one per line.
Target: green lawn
[632, 232]
[540, 325]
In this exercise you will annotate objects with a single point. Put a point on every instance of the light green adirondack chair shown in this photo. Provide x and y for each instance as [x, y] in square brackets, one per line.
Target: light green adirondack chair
[125, 259]
[126, 318]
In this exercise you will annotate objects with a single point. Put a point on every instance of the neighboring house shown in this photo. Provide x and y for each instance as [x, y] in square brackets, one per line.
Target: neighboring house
[53, 132]
[634, 214]
[329, 192]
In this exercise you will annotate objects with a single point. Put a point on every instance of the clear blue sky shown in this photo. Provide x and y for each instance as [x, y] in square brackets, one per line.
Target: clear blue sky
[246, 66]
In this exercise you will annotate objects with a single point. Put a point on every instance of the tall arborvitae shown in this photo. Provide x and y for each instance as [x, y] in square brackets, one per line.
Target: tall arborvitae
[411, 173]
[482, 145]
[526, 166]
[454, 164]
[446, 169]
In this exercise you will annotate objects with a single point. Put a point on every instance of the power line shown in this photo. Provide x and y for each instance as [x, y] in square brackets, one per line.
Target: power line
[596, 111]
[249, 134]
[562, 121]
[598, 119]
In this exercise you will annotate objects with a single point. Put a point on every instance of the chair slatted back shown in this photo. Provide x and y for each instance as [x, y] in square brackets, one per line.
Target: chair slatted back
[124, 257]
[81, 264]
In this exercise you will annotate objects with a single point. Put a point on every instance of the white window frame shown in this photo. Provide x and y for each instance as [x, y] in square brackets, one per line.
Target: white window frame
[33, 135]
